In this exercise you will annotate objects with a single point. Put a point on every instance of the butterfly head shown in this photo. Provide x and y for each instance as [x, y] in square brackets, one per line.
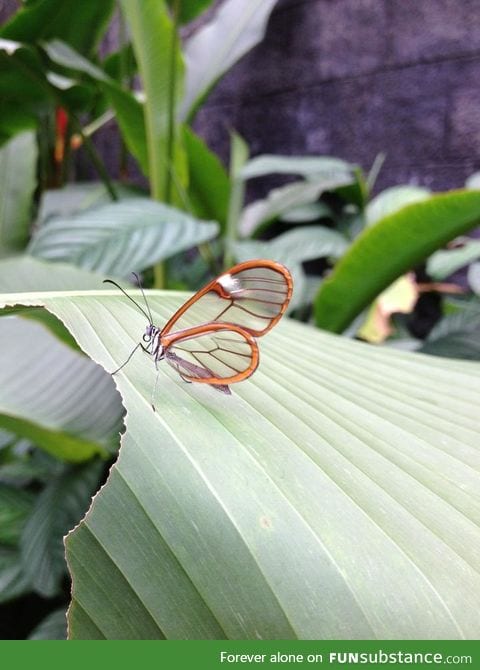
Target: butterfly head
[151, 337]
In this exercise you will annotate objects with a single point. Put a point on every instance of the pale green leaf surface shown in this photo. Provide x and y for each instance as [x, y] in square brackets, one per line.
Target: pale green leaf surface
[474, 277]
[306, 213]
[216, 46]
[281, 200]
[310, 167]
[392, 199]
[333, 495]
[443, 263]
[473, 182]
[18, 165]
[120, 237]
[72, 198]
[53, 395]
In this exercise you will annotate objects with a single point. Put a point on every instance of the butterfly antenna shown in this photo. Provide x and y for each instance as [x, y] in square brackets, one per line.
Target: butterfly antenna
[144, 296]
[149, 316]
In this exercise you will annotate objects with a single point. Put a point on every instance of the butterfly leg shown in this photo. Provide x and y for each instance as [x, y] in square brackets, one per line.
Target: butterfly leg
[128, 359]
[154, 391]
[187, 381]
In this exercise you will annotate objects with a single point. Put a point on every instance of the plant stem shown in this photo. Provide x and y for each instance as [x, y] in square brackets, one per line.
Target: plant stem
[94, 156]
[159, 271]
[172, 79]
[238, 158]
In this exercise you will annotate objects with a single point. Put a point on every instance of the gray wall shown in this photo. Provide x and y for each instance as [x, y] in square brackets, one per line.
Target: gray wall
[351, 78]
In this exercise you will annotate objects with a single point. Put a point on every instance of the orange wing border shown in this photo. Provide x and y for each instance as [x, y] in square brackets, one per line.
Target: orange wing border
[214, 285]
[204, 329]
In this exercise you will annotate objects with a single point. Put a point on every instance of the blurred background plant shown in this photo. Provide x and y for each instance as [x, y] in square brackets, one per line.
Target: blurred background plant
[393, 267]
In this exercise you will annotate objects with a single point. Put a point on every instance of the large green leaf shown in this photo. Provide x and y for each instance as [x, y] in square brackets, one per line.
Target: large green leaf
[120, 237]
[160, 65]
[216, 46]
[53, 395]
[333, 495]
[18, 167]
[391, 247]
[79, 24]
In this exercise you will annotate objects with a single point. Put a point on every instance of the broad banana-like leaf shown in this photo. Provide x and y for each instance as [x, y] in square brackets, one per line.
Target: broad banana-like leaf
[333, 495]
[125, 235]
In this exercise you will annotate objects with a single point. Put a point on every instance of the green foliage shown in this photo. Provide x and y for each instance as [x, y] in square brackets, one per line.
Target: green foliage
[202, 508]
[394, 245]
[17, 157]
[114, 238]
[329, 479]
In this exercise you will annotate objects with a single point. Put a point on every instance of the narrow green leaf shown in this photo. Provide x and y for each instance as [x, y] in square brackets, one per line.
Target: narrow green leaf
[309, 167]
[120, 237]
[18, 168]
[53, 395]
[209, 186]
[387, 250]
[216, 46]
[58, 508]
[190, 9]
[239, 153]
[160, 66]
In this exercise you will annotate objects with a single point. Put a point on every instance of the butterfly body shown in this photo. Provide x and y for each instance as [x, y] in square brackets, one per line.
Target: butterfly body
[211, 339]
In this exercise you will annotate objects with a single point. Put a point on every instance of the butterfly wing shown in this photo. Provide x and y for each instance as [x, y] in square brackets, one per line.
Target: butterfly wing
[252, 295]
[215, 353]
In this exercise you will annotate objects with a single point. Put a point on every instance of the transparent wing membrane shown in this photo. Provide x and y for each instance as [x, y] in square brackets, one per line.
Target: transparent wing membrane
[219, 355]
[252, 295]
